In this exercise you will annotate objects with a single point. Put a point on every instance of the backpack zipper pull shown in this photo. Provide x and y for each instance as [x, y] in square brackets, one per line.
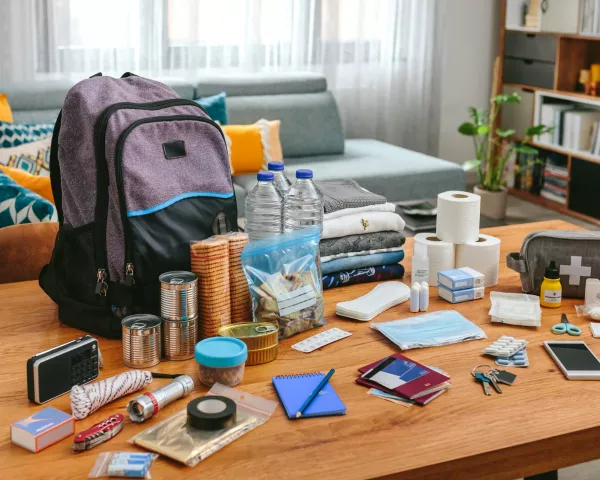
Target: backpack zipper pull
[101, 285]
[129, 280]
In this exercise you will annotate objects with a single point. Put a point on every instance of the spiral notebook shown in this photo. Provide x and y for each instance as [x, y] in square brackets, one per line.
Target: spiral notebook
[293, 390]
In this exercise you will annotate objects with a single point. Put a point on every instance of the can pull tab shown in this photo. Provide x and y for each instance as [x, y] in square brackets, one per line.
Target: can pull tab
[101, 285]
[129, 280]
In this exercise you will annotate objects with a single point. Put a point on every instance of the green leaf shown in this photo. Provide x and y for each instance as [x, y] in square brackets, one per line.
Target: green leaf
[471, 165]
[503, 98]
[526, 149]
[505, 133]
[483, 129]
[478, 115]
[538, 130]
[468, 129]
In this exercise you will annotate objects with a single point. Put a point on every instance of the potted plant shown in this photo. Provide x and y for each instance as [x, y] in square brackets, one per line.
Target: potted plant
[493, 148]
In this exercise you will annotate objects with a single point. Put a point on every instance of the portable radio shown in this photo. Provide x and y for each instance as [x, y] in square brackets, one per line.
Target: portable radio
[54, 372]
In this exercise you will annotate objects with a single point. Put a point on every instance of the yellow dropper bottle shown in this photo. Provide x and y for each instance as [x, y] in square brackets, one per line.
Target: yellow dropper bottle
[551, 289]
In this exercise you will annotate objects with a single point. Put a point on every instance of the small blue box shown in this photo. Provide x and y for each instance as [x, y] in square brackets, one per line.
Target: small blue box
[461, 278]
[459, 296]
[42, 429]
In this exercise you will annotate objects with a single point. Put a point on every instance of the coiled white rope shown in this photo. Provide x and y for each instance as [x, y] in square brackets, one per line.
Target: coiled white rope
[86, 399]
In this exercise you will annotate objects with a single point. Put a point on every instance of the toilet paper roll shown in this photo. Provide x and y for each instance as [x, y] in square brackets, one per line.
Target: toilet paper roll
[440, 253]
[458, 217]
[482, 255]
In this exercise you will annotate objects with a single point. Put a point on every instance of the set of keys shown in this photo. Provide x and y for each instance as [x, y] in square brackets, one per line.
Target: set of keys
[493, 377]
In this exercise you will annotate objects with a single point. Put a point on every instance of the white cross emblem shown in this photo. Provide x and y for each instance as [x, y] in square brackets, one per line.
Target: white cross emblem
[575, 271]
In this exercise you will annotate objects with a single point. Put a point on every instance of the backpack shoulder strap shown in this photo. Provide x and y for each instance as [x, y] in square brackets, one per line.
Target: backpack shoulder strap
[55, 170]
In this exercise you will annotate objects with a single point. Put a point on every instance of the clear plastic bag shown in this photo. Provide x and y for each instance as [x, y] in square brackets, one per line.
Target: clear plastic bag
[592, 311]
[123, 464]
[284, 281]
[176, 439]
[516, 309]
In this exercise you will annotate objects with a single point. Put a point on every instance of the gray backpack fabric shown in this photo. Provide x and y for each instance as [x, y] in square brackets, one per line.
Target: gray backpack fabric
[137, 172]
[576, 253]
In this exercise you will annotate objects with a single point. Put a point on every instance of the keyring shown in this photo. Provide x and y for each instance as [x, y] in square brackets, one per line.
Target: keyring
[482, 365]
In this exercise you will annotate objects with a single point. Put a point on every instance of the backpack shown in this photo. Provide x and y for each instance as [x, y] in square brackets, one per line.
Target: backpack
[137, 173]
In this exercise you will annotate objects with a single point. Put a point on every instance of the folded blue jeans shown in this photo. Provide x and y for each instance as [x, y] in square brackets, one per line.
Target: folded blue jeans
[362, 261]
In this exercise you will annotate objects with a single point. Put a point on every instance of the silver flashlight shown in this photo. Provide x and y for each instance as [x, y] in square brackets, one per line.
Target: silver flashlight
[143, 407]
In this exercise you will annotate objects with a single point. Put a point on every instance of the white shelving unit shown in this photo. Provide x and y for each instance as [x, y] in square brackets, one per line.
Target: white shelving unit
[514, 17]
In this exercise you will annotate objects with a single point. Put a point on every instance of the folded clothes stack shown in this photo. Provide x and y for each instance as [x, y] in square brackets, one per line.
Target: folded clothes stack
[362, 237]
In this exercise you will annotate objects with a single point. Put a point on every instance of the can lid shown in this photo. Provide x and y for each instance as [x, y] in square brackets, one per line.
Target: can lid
[179, 277]
[141, 321]
[276, 166]
[221, 352]
[247, 330]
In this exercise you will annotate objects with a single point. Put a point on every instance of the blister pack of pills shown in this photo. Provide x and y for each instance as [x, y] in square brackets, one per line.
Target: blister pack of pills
[505, 347]
[320, 340]
[519, 359]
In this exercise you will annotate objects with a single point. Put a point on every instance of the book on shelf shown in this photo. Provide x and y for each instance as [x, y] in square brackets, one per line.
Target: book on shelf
[588, 20]
[576, 127]
[553, 197]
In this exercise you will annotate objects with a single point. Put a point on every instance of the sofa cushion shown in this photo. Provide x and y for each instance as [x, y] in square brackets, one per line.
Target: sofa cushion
[261, 84]
[310, 123]
[394, 172]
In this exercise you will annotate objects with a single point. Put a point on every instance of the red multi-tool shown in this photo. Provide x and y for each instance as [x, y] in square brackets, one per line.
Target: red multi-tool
[99, 433]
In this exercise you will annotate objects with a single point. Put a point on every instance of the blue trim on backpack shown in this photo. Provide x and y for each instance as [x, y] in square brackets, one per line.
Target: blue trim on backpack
[171, 201]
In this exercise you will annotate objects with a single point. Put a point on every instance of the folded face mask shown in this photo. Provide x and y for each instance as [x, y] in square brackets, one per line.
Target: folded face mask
[430, 330]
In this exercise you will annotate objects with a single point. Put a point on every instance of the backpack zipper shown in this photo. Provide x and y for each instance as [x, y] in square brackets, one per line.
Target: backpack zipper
[101, 212]
[129, 267]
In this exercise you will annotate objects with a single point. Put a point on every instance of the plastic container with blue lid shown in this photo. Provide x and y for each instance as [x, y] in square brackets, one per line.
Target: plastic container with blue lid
[221, 360]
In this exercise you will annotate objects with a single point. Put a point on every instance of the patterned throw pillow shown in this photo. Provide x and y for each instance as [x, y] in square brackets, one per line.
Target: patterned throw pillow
[19, 205]
[15, 134]
[34, 158]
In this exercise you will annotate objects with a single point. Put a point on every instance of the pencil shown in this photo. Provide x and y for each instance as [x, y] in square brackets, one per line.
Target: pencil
[314, 393]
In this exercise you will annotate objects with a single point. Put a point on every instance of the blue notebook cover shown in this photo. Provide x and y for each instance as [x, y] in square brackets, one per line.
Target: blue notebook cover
[294, 390]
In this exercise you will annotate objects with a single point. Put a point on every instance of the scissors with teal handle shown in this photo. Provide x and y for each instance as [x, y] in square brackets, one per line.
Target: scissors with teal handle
[565, 327]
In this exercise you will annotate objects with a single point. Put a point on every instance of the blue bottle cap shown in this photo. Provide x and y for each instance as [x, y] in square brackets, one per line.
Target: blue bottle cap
[304, 173]
[221, 352]
[265, 176]
[276, 166]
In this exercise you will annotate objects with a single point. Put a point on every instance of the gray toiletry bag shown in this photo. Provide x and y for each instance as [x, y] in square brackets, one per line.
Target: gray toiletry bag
[576, 254]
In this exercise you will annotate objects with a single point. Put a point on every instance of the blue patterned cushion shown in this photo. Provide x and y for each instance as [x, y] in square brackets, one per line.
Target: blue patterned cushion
[15, 134]
[19, 205]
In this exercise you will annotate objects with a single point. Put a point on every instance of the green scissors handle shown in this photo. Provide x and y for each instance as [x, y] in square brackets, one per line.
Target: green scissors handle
[565, 327]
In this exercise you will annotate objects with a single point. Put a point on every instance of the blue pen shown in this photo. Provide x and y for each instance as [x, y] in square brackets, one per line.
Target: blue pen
[314, 393]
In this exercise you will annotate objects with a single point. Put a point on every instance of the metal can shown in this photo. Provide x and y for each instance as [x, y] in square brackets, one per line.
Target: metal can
[256, 335]
[179, 338]
[141, 340]
[178, 295]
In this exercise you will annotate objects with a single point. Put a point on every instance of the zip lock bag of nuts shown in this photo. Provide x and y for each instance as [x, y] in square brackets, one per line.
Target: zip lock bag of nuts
[284, 281]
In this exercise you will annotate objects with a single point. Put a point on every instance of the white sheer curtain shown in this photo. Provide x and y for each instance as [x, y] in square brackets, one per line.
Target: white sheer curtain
[380, 57]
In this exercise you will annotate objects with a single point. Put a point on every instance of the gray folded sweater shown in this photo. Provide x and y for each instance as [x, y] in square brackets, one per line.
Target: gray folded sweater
[340, 194]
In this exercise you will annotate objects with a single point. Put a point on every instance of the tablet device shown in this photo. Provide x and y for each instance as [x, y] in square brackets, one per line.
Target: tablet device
[575, 359]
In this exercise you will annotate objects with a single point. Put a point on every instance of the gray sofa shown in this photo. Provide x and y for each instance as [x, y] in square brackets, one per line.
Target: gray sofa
[311, 132]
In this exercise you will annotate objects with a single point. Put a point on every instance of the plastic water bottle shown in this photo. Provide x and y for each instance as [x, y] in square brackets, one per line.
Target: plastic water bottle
[264, 209]
[303, 205]
[281, 181]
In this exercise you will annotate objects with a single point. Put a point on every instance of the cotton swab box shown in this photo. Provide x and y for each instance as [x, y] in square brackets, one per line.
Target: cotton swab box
[382, 297]
[505, 347]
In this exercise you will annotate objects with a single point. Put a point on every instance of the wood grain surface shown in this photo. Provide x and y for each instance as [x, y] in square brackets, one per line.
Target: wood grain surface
[542, 422]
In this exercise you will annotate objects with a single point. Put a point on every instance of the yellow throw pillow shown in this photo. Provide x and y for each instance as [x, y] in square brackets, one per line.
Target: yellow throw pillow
[39, 185]
[5, 111]
[252, 147]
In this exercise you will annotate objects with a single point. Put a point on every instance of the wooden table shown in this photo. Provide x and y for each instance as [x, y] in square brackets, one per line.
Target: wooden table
[541, 423]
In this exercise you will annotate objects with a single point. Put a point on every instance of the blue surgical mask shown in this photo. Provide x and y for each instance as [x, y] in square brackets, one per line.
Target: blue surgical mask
[430, 330]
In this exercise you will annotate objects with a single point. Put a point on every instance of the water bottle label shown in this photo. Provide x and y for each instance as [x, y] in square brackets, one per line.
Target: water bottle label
[296, 300]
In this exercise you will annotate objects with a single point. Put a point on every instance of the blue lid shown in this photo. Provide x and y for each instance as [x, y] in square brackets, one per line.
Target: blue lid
[265, 176]
[276, 166]
[304, 173]
[221, 352]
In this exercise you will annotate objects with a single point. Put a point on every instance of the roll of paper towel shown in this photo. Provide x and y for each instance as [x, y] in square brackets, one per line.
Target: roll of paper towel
[458, 217]
[440, 253]
[482, 255]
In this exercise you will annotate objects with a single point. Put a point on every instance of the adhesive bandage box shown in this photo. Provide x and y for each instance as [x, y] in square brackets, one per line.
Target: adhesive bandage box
[42, 429]
[461, 278]
[459, 296]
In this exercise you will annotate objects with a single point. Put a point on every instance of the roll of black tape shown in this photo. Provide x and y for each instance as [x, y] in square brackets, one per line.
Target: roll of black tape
[211, 412]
